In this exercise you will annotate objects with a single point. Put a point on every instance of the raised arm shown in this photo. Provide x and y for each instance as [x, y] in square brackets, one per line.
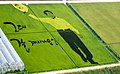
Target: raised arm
[24, 9]
[33, 16]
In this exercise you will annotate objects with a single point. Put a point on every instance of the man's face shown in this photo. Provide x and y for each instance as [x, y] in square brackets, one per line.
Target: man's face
[50, 15]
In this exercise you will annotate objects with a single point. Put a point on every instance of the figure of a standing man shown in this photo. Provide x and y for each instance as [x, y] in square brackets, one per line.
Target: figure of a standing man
[66, 31]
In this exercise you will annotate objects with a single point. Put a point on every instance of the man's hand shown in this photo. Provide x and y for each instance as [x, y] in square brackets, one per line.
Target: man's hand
[21, 7]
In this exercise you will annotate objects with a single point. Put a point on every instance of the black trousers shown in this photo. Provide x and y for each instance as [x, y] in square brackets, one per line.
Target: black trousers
[75, 43]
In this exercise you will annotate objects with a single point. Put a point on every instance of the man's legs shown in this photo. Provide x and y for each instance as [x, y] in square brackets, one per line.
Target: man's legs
[75, 48]
[81, 45]
[67, 37]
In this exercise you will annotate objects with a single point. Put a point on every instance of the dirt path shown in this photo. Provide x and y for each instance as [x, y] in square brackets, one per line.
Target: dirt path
[82, 69]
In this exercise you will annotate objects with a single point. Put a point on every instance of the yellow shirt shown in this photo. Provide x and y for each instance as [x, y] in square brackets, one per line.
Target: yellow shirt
[57, 23]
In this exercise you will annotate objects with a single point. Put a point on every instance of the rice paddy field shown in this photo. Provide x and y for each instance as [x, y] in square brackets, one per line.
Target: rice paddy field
[39, 44]
[103, 19]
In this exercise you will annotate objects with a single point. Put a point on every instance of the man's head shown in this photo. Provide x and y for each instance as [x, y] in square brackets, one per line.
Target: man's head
[49, 14]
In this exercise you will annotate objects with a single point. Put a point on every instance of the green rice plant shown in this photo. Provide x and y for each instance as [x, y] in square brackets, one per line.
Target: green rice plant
[103, 19]
[39, 44]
